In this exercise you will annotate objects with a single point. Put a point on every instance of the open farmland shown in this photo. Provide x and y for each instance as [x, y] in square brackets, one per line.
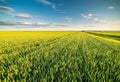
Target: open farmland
[109, 35]
[58, 57]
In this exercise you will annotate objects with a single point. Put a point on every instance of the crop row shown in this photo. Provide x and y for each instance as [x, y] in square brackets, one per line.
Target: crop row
[75, 57]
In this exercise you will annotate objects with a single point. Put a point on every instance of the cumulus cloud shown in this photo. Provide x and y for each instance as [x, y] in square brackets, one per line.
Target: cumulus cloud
[6, 23]
[69, 19]
[24, 16]
[88, 16]
[45, 2]
[41, 24]
[36, 24]
[14, 23]
[110, 7]
[97, 20]
[5, 9]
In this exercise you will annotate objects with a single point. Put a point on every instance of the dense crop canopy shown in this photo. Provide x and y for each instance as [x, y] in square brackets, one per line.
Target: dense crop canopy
[58, 57]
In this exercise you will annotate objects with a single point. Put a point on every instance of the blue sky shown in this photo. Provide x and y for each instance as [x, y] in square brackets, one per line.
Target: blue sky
[59, 15]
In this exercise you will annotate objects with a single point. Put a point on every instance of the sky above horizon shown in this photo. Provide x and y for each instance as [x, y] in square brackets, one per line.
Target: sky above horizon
[59, 15]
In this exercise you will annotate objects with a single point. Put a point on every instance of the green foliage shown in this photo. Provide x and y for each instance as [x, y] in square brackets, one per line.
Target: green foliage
[76, 57]
[111, 35]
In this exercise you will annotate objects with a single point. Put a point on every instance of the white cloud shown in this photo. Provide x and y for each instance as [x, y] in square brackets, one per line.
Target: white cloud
[24, 16]
[31, 24]
[41, 24]
[28, 26]
[111, 7]
[24, 23]
[47, 3]
[14, 23]
[88, 16]
[5, 9]
[7, 23]
[97, 20]
[69, 19]
[60, 25]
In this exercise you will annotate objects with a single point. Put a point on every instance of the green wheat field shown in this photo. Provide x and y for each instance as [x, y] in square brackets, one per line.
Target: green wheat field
[60, 56]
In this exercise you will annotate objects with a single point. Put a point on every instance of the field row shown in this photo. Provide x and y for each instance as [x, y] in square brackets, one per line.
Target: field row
[73, 57]
[109, 35]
